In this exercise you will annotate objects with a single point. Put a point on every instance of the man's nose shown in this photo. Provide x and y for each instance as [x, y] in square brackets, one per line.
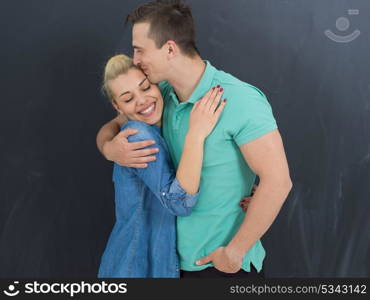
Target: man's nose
[136, 60]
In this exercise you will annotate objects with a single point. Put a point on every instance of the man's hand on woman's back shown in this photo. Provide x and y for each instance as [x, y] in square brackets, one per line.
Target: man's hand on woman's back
[244, 203]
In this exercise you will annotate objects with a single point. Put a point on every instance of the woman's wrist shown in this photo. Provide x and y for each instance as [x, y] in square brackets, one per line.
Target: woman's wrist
[194, 138]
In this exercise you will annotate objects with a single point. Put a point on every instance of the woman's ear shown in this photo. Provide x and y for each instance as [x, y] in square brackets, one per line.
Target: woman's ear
[116, 107]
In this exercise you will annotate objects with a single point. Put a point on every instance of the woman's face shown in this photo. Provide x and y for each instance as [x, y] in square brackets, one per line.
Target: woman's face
[137, 98]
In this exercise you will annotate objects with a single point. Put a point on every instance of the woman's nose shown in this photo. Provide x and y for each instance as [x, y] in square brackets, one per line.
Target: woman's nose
[141, 100]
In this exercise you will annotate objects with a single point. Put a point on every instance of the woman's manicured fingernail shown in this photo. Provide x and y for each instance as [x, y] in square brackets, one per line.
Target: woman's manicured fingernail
[225, 100]
[218, 86]
[221, 90]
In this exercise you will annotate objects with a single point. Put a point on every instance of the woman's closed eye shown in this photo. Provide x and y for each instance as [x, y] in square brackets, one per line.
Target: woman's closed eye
[147, 88]
[132, 97]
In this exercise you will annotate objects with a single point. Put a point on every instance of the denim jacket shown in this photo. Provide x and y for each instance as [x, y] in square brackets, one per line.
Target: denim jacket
[143, 240]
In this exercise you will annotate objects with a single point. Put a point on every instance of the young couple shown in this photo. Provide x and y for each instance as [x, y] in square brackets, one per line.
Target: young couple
[206, 161]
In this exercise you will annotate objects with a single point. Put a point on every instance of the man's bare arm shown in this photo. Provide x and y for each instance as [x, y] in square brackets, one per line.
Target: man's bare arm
[114, 145]
[266, 157]
[109, 131]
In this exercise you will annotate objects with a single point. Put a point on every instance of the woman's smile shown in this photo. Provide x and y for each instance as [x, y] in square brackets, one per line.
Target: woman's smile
[148, 111]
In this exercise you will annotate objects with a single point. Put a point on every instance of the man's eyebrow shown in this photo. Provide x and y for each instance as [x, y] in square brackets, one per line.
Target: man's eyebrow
[136, 47]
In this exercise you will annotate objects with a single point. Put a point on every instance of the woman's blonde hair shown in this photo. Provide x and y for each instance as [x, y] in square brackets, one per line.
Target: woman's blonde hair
[116, 65]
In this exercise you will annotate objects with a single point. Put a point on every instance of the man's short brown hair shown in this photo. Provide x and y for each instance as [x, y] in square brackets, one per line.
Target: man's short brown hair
[169, 20]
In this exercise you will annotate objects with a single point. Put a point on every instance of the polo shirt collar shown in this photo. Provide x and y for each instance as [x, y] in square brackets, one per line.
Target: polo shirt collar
[203, 86]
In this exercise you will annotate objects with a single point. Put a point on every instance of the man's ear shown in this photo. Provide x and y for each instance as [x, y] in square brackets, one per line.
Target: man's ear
[172, 49]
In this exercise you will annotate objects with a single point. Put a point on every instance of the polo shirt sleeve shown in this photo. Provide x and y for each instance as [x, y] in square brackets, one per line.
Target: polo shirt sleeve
[252, 115]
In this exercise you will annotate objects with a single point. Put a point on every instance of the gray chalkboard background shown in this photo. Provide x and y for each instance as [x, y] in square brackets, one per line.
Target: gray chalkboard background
[56, 196]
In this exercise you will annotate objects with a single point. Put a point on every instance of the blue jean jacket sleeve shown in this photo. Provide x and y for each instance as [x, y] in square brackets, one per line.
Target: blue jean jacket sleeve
[159, 176]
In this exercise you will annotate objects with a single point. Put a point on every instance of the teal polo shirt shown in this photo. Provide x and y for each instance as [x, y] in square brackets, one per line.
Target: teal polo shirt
[226, 177]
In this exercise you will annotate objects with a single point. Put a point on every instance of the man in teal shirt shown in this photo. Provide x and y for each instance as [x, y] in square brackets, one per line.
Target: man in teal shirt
[246, 142]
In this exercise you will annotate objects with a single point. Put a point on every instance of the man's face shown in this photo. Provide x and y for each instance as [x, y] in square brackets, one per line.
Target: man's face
[147, 56]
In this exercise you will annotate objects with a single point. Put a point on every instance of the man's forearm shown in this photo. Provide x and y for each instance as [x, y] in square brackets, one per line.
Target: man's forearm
[262, 211]
[109, 131]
